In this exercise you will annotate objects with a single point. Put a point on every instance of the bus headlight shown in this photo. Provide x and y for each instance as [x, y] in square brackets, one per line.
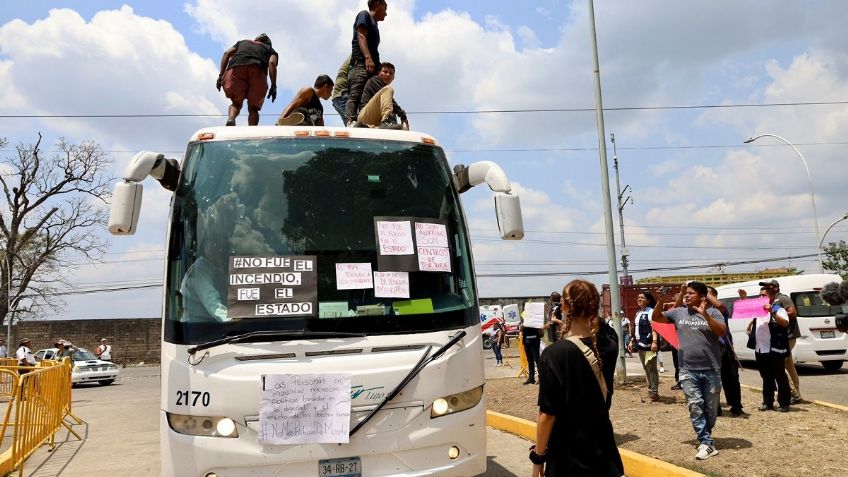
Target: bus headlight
[209, 426]
[456, 402]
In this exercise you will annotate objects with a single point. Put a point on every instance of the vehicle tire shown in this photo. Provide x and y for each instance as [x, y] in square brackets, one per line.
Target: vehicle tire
[487, 342]
[832, 365]
[106, 382]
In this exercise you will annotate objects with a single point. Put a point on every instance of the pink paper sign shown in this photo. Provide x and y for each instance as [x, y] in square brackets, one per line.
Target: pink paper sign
[750, 308]
[667, 331]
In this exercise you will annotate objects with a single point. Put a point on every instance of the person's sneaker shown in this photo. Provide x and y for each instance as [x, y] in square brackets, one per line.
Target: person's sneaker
[231, 122]
[795, 400]
[529, 381]
[662, 370]
[783, 409]
[705, 452]
[765, 407]
[736, 411]
[292, 119]
[653, 397]
[387, 124]
[676, 387]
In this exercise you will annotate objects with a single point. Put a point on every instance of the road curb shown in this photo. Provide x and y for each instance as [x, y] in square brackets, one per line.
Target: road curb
[635, 464]
[831, 405]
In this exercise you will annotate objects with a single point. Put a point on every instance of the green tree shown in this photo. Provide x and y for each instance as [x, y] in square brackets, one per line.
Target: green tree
[54, 208]
[837, 258]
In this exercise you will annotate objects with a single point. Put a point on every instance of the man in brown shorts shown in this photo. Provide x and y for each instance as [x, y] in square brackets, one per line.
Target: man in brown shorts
[242, 75]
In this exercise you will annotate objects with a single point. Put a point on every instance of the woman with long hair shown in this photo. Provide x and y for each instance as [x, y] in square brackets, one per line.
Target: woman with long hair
[644, 340]
[574, 435]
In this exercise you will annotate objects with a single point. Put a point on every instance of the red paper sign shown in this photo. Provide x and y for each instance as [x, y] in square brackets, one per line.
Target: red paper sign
[667, 331]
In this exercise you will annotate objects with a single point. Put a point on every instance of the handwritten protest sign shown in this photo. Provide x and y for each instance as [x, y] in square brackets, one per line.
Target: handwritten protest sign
[353, 276]
[434, 259]
[750, 308]
[305, 409]
[391, 284]
[667, 331]
[395, 238]
[431, 235]
[534, 314]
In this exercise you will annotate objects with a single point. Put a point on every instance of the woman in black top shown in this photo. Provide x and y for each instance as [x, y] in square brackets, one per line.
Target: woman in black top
[574, 435]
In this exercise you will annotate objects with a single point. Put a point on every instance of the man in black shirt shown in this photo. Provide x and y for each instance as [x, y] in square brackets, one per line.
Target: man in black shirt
[378, 107]
[307, 102]
[365, 57]
[242, 75]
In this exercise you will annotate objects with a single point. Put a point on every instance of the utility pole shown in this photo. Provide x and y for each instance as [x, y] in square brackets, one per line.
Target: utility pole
[624, 253]
[615, 298]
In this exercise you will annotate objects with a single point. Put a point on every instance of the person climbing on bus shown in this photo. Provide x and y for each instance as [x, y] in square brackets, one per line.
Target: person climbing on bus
[378, 107]
[242, 75]
[306, 105]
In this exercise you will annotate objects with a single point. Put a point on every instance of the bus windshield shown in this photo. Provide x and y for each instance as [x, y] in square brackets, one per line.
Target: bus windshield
[321, 201]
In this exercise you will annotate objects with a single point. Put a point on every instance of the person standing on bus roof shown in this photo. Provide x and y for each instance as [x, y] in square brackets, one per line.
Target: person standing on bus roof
[242, 75]
[365, 55]
[794, 332]
[341, 90]
[378, 107]
[307, 102]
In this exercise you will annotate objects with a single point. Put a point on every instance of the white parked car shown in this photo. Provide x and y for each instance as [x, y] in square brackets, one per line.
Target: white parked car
[87, 368]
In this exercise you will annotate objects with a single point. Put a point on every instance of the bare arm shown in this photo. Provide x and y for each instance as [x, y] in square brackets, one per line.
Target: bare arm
[657, 315]
[717, 304]
[301, 98]
[792, 312]
[226, 59]
[362, 40]
[716, 326]
[544, 426]
[783, 322]
[678, 302]
[272, 70]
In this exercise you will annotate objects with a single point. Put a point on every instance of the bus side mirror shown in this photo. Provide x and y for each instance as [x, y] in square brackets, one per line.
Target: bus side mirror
[126, 205]
[508, 211]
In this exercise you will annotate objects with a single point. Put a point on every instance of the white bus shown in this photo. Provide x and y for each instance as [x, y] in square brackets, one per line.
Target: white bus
[304, 251]
[820, 341]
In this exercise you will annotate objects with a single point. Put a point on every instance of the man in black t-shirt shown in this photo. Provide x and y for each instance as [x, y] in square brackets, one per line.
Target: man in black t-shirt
[307, 102]
[365, 57]
[242, 75]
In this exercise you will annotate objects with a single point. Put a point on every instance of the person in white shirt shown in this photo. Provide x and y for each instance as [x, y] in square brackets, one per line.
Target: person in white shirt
[104, 351]
[3, 349]
[24, 353]
[772, 346]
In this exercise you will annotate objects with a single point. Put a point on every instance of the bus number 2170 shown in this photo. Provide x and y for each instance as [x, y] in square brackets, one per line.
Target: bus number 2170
[192, 398]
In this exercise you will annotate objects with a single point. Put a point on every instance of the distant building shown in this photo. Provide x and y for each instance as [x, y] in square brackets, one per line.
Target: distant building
[718, 279]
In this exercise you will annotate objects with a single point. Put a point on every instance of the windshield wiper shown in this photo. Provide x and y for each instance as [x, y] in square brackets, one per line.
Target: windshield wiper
[426, 359]
[251, 335]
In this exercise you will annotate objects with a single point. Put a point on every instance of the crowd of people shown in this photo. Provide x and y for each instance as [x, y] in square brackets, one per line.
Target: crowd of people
[362, 93]
[64, 348]
[575, 373]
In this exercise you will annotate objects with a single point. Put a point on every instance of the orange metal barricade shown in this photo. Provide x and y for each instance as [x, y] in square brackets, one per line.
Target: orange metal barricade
[41, 401]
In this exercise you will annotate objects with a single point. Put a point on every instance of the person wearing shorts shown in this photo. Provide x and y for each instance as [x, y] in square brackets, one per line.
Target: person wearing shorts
[244, 67]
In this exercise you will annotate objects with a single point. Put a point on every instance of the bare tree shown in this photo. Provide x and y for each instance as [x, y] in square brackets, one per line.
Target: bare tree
[52, 214]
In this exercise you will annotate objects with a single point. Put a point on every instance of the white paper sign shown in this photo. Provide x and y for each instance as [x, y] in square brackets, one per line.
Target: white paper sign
[391, 284]
[305, 409]
[534, 314]
[395, 238]
[434, 259]
[353, 276]
[431, 235]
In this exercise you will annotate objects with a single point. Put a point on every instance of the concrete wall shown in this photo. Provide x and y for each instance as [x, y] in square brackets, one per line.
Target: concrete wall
[133, 340]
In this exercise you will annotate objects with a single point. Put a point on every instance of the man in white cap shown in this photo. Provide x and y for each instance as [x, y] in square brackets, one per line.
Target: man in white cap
[24, 353]
[104, 351]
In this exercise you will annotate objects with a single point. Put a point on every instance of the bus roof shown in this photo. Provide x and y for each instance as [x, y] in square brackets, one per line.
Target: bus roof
[787, 283]
[252, 132]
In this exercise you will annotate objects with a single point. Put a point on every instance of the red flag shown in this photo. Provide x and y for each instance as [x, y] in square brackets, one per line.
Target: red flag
[667, 331]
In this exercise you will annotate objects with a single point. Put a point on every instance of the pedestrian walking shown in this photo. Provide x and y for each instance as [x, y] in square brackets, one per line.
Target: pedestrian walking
[574, 435]
[244, 67]
[497, 342]
[698, 328]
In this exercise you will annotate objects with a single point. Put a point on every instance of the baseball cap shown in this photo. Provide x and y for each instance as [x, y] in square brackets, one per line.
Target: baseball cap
[771, 283]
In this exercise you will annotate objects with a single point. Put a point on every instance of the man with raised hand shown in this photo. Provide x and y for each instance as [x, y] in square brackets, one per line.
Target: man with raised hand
[698, 328]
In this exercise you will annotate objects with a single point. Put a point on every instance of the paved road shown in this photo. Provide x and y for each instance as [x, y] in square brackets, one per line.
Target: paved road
[121, 435]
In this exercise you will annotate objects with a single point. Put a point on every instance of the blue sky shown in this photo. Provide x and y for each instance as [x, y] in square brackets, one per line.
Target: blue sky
[700, 196]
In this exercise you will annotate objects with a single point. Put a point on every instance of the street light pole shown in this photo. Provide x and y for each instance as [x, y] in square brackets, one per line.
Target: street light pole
[821, 241]
[615, 305]
[812, 194]
[621, 204]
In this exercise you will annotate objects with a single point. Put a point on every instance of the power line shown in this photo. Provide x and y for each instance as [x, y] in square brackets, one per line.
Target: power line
[454, 112]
